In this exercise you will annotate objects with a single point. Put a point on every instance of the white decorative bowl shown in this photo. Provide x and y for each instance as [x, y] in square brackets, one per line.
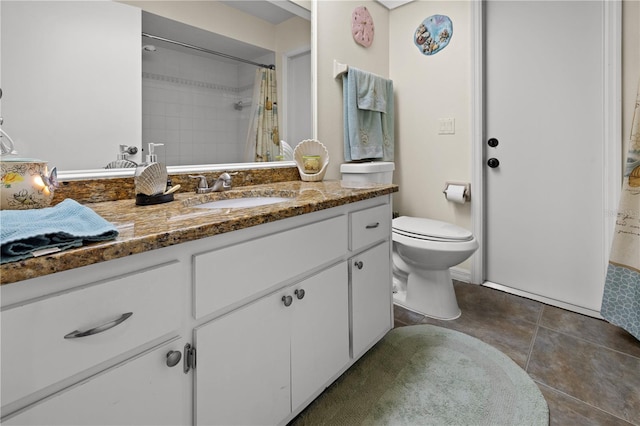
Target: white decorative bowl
[311, 147]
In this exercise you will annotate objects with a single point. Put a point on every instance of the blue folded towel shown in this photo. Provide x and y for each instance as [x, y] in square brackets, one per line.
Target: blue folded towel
[368, 116]
[66, 225]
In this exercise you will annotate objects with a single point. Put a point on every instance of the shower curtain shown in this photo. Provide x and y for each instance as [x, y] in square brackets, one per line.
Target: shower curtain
[263, 138]
[621, 299]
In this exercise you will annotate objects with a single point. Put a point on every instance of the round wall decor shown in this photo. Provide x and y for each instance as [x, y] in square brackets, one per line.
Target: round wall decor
[362, 26]
[433, 34]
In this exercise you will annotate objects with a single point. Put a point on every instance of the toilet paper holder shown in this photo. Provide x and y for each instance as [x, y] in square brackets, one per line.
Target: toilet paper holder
[467, 189]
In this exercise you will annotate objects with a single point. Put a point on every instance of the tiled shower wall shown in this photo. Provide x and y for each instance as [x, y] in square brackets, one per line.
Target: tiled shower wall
[188, 104]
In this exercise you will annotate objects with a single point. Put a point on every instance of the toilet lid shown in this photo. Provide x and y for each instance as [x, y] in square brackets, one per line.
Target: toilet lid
[429, 229]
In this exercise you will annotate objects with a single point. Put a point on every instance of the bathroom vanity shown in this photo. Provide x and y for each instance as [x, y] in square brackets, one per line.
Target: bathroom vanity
[200, 316]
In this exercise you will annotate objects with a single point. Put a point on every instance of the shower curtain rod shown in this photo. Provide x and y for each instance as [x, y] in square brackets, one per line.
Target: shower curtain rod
[212, 52]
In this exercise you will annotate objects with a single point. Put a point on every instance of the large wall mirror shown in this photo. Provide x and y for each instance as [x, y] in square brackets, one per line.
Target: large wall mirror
[91, 82]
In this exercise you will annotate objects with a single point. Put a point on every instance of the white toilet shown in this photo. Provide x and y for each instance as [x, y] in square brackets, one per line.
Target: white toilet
[423, 251]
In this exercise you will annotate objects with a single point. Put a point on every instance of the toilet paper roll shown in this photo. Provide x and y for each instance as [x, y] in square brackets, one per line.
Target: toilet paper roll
[455, 193]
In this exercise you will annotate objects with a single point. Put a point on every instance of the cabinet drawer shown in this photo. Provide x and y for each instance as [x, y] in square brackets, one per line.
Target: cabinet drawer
[370, 225]
[232, 274]
[35, 352]
[143, 391]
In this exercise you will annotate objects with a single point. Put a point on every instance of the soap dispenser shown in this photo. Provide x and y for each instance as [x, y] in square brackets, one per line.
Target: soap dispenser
[151, 155]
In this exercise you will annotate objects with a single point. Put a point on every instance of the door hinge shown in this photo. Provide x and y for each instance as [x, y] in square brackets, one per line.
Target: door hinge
[189, 358]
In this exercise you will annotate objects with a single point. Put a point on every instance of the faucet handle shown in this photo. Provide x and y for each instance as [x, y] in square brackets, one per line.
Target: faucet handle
[203, 181]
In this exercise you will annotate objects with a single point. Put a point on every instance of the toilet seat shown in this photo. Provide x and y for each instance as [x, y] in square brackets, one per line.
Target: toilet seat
[430, 230]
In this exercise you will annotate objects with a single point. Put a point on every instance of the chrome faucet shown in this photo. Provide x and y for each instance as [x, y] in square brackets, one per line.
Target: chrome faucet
[223, 183]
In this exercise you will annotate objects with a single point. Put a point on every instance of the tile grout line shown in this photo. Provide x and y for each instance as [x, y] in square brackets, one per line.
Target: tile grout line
[533, 338]
[591, 342]
[578, 400]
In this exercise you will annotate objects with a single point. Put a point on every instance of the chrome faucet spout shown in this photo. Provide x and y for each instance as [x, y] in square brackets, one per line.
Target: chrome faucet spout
[223, 183]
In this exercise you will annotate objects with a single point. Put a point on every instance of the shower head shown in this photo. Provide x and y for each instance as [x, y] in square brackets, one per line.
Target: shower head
[149, 48]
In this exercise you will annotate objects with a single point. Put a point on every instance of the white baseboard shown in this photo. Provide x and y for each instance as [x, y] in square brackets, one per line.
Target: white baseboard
[460, 274]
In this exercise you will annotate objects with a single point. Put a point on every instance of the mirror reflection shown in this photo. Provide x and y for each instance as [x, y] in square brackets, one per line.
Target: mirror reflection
[194, 106]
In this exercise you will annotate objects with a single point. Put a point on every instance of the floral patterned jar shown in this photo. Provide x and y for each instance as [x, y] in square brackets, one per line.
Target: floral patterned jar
[25, 183]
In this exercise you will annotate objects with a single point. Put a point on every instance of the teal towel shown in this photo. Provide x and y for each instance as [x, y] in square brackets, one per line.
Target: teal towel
[368, 133]
[371, 91]
[66, 225]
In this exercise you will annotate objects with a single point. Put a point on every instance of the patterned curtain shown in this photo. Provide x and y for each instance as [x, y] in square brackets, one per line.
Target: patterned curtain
[263, 139]
[621, 299]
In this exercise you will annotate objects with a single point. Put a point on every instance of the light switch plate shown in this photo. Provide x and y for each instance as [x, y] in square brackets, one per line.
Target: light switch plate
[446, 126]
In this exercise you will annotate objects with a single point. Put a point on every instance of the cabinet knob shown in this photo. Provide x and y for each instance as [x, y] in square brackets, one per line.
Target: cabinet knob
[173, 358]
[287, 300]
[358, 264]
[299, 293]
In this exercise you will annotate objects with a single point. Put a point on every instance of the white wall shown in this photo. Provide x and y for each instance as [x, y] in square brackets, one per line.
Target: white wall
[336, 42]
[65, 100]
[429, 88]
[426, 88]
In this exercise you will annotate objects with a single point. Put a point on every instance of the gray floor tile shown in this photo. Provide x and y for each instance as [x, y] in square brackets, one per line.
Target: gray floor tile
[601, 377]
[564, 410]
[591, 329]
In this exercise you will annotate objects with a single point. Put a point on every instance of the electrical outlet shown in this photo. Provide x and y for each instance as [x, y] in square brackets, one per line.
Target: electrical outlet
[446, 126]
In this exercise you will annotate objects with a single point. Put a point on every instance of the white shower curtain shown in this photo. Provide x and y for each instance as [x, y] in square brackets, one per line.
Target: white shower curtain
[263, 138]
[621, 300]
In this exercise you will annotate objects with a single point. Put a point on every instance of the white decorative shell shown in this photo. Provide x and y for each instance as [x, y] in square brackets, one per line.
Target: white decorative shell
[311, 147]
[152, 179]
[286, 151]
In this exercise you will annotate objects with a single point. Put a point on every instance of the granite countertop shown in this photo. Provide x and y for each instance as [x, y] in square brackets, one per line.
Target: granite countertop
[144, 228]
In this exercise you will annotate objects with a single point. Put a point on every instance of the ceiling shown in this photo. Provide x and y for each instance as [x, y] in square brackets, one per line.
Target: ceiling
[273, 11]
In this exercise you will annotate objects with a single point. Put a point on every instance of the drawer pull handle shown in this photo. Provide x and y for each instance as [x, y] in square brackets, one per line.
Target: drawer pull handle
[359, 264]
[373, 226]
[299, 293]
[100, 328]
[287, 300]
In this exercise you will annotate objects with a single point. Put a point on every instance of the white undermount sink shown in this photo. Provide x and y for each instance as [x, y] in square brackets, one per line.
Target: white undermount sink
[239, 203]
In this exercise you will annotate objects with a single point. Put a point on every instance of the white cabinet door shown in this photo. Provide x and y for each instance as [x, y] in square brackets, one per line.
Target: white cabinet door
[370, 297]
[242, 374]
[319, 331]
[144, 391]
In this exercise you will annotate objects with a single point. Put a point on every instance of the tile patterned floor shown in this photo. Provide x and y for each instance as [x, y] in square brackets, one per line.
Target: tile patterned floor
[587, 369]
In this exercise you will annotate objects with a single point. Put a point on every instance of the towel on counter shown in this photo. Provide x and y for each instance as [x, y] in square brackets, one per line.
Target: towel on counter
[27, 233]
[368, 116]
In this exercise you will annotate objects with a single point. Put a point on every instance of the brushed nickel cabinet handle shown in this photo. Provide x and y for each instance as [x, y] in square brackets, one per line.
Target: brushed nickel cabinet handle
[173, 358]
[299, 293]
[358, 264]
[99, 329]
[373, 225]
[287, 300]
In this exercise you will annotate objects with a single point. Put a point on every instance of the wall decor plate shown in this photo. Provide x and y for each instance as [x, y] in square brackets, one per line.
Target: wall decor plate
[362, 26]
[433, 34]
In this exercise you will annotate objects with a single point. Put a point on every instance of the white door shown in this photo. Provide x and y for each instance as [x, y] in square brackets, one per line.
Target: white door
[544, 104]
[242, 372]
[319, 331]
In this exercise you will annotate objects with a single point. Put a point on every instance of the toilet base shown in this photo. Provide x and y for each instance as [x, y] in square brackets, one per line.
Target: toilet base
[429, 293]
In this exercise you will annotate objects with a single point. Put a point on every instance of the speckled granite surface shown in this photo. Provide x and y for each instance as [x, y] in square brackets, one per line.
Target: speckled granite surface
[144, 228]
[111, 189]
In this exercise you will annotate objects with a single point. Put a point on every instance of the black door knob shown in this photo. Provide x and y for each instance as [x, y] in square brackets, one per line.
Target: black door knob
[493, 142]
[493, 163]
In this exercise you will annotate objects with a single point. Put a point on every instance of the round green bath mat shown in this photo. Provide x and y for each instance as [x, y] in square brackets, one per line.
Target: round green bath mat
[429, 375]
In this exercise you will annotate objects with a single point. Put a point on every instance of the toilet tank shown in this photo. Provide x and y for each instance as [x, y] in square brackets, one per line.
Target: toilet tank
[358, 175]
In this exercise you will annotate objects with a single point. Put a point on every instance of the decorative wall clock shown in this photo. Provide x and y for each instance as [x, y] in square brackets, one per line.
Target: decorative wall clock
[362, 26]
[433, 34]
